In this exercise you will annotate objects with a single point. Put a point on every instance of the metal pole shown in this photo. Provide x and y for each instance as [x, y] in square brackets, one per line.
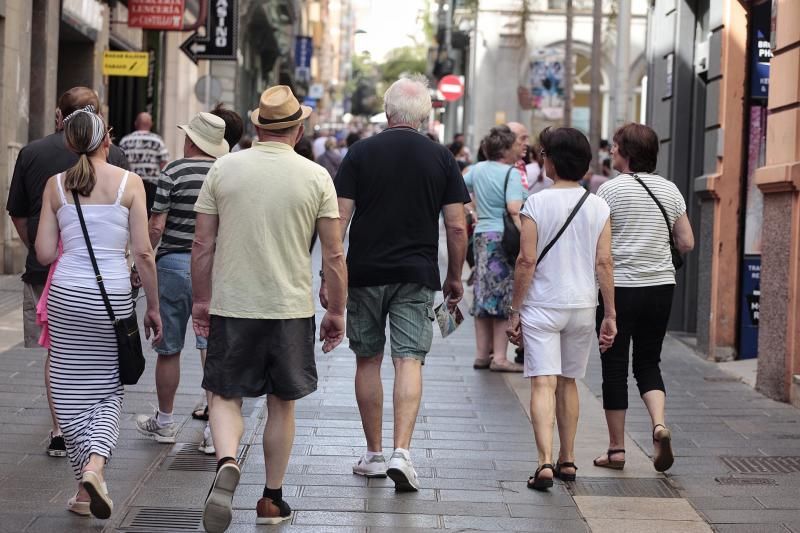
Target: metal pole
[595, 97]
[623, 59]
[568, 61]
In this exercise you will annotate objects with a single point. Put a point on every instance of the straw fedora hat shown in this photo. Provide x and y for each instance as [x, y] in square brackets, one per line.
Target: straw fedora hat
[278, 109]
[207, 131]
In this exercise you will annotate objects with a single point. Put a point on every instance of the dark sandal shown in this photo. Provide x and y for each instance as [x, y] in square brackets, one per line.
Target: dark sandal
[563, 476]
[201, 414]
[613, 465]
[481, 364]
[664, 459]
[541, 484]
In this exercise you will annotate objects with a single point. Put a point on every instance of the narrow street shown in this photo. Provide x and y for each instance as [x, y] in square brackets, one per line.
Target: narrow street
[737, 467]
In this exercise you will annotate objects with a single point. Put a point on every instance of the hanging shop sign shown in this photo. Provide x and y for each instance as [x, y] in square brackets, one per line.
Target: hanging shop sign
[545, 80]
[760, 49]
[156, 14]
[221, 33]
[135, 64]
[750, 307]
[303, 51]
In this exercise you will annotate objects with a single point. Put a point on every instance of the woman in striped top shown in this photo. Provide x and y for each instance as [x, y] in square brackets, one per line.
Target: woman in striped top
[644, 280]
[84, 365]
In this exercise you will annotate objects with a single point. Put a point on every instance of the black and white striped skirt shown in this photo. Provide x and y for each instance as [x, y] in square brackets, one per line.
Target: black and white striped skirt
[84, 370]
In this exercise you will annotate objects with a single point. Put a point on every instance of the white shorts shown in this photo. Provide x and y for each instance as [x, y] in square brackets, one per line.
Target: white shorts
[557, 341]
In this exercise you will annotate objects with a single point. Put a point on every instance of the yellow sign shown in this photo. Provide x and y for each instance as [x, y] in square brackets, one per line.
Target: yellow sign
[125, 63]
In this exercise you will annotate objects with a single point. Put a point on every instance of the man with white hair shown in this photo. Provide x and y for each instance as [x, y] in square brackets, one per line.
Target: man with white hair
[394, 185]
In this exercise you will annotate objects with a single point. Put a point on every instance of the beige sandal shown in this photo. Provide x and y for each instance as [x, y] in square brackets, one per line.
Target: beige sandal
[506, 366]
[79, 508]
[100, 505]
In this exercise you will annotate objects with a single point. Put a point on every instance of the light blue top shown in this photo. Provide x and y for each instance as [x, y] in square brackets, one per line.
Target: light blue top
[485, 181]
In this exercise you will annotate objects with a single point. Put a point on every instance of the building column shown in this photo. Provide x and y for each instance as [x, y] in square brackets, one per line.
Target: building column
[779, 180]
[720, 191]
[44, 67]
[15, 59]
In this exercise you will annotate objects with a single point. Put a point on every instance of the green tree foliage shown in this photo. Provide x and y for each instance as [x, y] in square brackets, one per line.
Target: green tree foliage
[403, 61]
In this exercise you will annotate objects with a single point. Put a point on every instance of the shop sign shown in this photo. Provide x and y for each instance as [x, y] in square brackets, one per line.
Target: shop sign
[760, 49]
[750, 307]
[134, 64]
[221, 33]
[303, 51]
[156, 14]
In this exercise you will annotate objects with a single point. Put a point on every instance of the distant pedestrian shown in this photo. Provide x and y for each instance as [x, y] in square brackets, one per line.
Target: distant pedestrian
[330, 159]
[565, 253]
[394, 186]
[303, 147]
[234, 126]
[496, 186]
[172, 223]
[147, 154]
[596, 180]
[520, 150]
[644, 279]
[85, 379]
[35, 165]
[256, 213]
[352, 138]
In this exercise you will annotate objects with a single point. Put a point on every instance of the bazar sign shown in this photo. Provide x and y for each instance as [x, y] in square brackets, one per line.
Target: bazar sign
[156, 14]
[125, 63]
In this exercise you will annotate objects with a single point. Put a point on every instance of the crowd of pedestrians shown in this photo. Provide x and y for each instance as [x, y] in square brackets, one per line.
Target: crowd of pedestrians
[224, 234]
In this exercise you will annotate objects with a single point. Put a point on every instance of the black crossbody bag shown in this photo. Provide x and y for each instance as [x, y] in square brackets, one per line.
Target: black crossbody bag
[129, 342]
[564, 227]
[677, 260]
[511, 233]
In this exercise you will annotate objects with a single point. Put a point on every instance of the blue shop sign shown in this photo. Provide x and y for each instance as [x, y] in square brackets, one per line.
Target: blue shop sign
[760, 49]
[749, 307]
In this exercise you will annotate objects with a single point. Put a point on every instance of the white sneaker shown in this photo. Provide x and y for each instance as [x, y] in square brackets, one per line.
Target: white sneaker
[374, 467]
[149, 426]
[207, 446]
[402, 472]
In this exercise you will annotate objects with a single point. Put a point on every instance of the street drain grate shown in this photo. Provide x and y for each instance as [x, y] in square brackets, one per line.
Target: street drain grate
[722, 379]
[188, 459]
[648, 488]
[763, 464]
[745, 481]
[162, 519]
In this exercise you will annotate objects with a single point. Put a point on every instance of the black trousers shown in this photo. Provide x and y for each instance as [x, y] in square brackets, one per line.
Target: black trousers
[642, 315]
[150, 195]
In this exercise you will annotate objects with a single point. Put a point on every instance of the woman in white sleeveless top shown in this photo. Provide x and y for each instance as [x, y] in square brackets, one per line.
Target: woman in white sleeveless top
[555, 296]
[84, 369]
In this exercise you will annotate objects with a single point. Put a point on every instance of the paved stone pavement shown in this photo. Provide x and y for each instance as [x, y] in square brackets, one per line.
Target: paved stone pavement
[473, 450]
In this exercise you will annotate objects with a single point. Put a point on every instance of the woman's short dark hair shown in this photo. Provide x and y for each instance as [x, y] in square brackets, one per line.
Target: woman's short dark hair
[455, 147]
[500, 139]
[639, 145]
[569, 150]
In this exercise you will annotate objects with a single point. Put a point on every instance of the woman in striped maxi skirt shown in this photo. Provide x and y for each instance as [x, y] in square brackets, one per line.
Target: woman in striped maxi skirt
[84, 365]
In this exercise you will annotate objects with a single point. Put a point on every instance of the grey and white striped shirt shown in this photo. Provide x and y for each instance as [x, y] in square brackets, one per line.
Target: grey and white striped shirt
[177, 193]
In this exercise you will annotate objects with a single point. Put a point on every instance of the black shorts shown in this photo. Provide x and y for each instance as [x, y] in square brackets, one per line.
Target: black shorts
[252, 357]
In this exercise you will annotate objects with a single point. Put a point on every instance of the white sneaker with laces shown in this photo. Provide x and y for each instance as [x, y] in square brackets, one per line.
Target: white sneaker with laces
[402, 472]
[373, 467]
[149, 427]
[207, 446]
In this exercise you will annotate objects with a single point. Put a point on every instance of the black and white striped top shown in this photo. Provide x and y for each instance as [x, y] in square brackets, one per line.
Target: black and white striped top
[639, 236]
[177, 193]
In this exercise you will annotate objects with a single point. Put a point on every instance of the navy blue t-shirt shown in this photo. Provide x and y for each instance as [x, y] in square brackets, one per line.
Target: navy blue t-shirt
[399, 180]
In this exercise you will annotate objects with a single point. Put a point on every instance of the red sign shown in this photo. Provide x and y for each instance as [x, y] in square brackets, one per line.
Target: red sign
[451, 87]
[156, 14]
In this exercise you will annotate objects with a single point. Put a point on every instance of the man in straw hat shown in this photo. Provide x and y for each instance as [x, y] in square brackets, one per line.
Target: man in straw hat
[172, 224]
[395, 185]
[256, 215]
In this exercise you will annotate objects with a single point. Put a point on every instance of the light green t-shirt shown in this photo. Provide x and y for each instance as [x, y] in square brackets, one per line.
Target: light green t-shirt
[268, 199]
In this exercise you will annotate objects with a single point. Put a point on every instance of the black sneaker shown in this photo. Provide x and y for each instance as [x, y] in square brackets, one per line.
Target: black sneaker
[520, 358]
[57, 446]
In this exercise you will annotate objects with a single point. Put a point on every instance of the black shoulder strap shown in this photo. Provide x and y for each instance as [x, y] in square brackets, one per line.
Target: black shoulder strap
[564, 227]
[505, 185]
[92, 258]
[660, 207]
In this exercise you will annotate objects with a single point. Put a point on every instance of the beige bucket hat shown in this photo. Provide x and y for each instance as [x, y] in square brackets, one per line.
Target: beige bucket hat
[278, 109]
[207, 131]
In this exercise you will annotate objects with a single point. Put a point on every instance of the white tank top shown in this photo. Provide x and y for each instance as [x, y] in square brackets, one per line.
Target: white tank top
[108, 229]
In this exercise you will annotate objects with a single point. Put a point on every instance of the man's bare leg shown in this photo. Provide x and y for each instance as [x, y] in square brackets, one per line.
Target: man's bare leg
[369, 395]
[278, 439]
[407, 398]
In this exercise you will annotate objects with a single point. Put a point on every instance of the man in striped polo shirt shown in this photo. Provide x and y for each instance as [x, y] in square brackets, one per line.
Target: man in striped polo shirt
[172, 224]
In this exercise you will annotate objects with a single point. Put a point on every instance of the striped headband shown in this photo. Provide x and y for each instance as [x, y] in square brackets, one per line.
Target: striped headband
[98, 127]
